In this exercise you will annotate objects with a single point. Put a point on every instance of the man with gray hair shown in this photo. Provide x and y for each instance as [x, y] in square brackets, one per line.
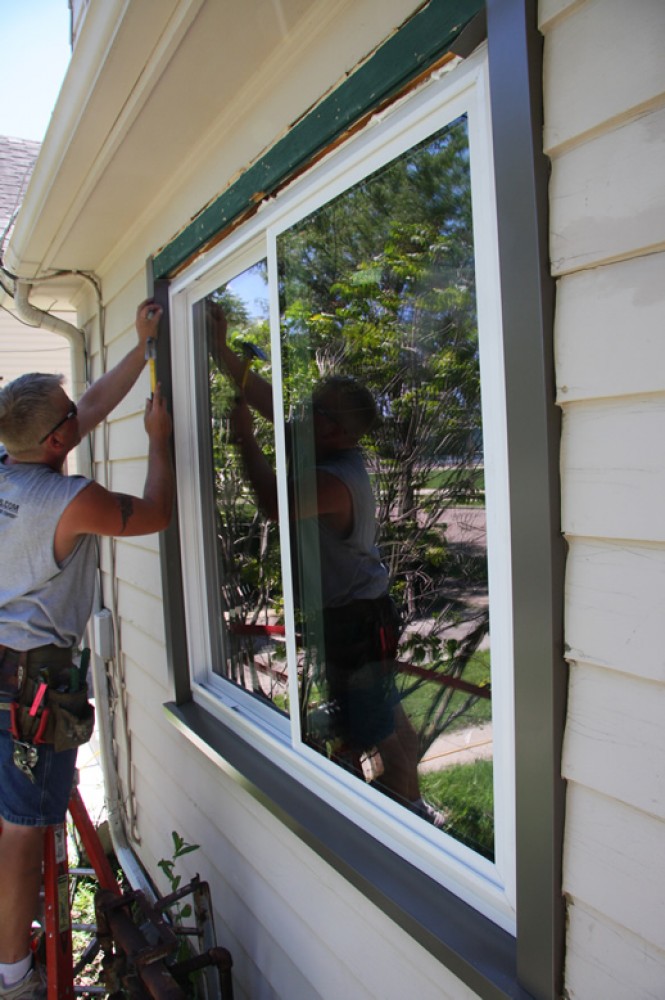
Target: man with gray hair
[49, 522]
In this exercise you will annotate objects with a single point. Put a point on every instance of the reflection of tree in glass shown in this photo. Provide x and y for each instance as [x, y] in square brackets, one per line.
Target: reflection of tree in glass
[380, 283]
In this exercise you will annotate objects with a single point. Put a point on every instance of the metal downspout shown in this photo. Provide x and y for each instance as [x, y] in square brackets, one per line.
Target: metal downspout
[39, 318]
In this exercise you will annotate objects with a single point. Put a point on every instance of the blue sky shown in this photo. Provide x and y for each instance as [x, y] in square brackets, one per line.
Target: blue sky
[34, 54]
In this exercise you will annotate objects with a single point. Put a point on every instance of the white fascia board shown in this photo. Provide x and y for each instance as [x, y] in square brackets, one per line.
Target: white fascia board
[80, 79]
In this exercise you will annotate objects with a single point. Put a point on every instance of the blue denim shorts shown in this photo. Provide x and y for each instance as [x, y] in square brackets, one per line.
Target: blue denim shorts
[44, 802]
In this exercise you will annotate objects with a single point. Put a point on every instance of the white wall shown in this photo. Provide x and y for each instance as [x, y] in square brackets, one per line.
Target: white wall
[604, 82]
[28, 349]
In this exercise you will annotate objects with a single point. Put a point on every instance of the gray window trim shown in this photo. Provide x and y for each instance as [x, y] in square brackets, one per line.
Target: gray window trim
[470, 945]
[522, 173]
[486, 958]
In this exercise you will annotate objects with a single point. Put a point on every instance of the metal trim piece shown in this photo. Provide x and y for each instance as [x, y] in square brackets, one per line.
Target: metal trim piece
[169, 540]
[533, 423]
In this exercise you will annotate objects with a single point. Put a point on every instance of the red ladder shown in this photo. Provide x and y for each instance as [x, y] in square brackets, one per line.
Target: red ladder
[57, 921]
[115, 924]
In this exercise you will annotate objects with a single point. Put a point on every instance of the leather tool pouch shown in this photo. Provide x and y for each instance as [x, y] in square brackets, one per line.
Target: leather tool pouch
[9, 677]
[70, 720]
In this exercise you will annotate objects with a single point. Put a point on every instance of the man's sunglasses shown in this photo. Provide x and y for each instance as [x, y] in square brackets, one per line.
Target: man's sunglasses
[71, 412]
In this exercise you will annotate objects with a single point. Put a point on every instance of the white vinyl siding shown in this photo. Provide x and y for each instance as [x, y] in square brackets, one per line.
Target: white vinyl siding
[28, 349]
[618, 627]
[605, 133]
[595, 309]
[600, 211]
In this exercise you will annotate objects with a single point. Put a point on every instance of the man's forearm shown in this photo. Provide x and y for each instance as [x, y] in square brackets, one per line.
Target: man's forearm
[258, 392]
[159, 483]
[261, 476]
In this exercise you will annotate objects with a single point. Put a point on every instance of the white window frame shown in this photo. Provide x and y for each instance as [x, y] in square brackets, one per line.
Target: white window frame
[488, 887]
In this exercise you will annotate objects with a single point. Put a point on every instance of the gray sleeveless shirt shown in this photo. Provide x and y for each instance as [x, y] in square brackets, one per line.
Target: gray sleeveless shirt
[350, 567]
[41, 602]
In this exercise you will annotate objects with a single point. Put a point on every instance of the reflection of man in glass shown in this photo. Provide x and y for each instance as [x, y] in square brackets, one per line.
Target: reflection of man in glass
[361, 626]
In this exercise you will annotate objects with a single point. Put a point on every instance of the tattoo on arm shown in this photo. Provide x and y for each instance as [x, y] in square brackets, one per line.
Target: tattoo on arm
[126, 505]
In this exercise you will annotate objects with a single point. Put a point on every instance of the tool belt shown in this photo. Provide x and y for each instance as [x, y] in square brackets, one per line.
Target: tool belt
[366, 630]
[47, 696]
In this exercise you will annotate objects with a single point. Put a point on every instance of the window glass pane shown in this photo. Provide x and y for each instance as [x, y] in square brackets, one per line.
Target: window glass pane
[247, 575]
[377, 290]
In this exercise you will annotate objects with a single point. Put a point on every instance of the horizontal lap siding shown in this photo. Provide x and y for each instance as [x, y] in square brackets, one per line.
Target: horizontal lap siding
[26, 349]
[615, 724]
[601, 349]
[136, 566]
[276, 902]
[612, 456]
[606, 195]
[604, 130]
[604, 58]
[615, 595]
[612, 849]
[635, 969]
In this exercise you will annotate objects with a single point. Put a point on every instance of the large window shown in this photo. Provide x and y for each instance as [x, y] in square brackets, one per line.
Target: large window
[369, 285]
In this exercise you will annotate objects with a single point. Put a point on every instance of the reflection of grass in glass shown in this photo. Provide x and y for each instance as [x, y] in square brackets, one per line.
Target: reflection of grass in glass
[477, 671]
[281, 701]
[465, 791]
[446, 483]
[441, 479]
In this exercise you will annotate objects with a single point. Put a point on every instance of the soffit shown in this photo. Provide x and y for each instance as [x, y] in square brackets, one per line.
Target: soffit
[169, 74]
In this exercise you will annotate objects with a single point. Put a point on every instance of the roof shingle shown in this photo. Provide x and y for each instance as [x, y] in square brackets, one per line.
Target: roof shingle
[17, 159]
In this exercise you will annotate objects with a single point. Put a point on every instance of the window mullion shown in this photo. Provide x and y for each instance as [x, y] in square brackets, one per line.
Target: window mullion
[282, 489]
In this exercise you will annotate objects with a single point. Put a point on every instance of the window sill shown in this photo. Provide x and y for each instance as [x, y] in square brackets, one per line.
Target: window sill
[470, 945]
